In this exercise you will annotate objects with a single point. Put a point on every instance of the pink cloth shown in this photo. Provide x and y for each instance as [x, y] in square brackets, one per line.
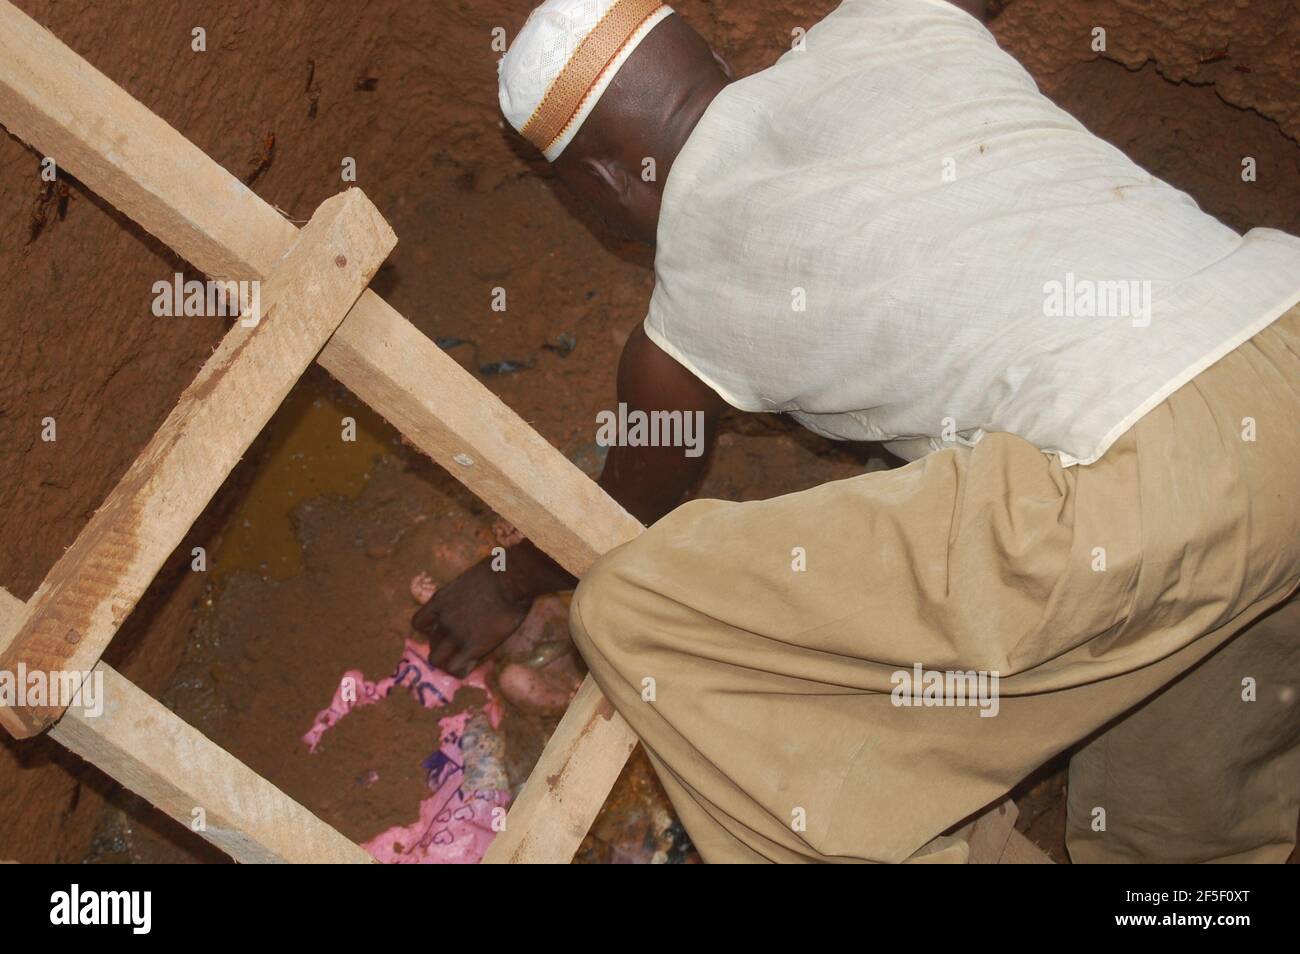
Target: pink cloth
[455, 823]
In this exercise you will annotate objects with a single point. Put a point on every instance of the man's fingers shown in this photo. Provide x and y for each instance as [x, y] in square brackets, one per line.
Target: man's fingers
[445, 653]
[440, 653]
[461, 664]
[425, 619]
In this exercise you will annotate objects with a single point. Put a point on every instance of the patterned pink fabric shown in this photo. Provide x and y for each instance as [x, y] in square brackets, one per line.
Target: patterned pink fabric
[455, 823]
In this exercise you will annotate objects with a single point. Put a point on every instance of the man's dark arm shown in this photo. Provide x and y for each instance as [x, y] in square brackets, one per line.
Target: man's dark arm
[651, 481]
[976, 8]
[473, 614]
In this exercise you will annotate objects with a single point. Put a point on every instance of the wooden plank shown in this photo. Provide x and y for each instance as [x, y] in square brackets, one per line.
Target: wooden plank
[154, 753]
[64, 107]
[150, 750]
[98, 580]
[553, 812]
[388, 363]
[1021, 851]
[990, 833]
[173, 190]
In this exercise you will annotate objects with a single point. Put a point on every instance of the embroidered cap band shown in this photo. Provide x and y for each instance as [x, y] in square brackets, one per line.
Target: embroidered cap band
[563, 60]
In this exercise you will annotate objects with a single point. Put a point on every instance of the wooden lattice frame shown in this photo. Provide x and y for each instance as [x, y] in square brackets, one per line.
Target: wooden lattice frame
[63, 107]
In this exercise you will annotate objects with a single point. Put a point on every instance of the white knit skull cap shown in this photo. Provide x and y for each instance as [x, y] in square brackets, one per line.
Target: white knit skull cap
[564, 59]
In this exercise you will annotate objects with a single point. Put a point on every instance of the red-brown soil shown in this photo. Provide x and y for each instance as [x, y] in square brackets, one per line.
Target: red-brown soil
[314, 541]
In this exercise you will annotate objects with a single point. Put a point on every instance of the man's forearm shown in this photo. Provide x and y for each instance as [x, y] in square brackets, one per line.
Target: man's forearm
[647, 481]
[530, 573]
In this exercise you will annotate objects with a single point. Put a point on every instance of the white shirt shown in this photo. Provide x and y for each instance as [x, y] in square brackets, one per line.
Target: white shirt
[893, 236]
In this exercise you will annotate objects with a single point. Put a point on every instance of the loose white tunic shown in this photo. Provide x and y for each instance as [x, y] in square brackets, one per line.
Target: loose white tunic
[892, 235]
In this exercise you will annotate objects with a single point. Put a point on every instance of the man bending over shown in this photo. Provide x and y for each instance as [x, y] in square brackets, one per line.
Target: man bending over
[891, 235]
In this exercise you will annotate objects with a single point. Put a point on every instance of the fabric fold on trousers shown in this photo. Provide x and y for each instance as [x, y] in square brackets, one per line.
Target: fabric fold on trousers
[756, 648]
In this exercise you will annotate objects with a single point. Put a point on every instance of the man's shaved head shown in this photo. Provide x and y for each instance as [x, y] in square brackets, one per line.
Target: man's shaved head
[647, 113]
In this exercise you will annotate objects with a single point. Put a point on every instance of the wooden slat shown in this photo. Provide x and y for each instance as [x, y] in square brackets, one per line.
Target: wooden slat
[173, 190]
[64, 107]
[96, 583]
[989, 835]
[154, 753]
[150, 750]
[388, 363]
[553, 812]
[994, 840]
[1021, 851]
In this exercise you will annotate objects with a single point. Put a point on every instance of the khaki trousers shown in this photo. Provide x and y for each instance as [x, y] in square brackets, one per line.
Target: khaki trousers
[762, 651]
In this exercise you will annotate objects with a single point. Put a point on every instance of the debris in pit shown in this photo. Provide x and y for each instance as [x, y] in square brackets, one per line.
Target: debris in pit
[469, 791]
[563, 344]
[505, 533]
[262, 159]
[504, 367]
[637, 825]
[56, 194]
[312, 90]
[541, 669]
[446, 344]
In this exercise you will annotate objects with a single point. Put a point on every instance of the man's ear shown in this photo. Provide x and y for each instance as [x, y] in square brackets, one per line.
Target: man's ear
[724, 65]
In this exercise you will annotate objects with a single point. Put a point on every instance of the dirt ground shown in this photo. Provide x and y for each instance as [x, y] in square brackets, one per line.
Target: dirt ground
[314, 541]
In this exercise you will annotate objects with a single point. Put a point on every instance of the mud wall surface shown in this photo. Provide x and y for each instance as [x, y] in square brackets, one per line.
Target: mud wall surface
[285, 91]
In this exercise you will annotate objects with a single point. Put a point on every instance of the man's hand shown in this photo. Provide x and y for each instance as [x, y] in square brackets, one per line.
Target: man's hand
[479, 610]
[469, 618]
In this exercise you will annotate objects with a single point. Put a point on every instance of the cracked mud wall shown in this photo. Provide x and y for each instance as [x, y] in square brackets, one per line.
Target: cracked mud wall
[286, 90]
